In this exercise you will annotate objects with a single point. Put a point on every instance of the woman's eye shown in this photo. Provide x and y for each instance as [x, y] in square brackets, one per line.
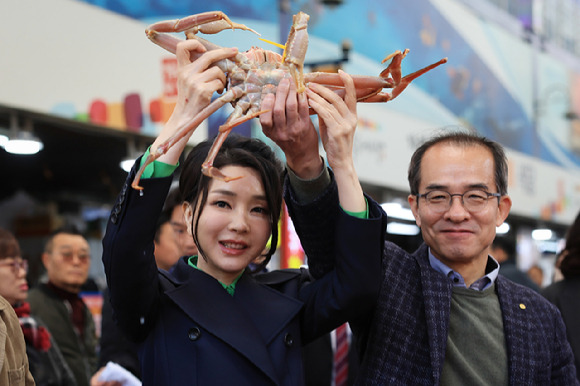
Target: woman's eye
[221, 204]
[261, 210]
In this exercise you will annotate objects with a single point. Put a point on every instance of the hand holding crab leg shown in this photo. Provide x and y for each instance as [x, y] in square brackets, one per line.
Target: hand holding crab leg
[337, 125]
[288, 124]
[197, 81]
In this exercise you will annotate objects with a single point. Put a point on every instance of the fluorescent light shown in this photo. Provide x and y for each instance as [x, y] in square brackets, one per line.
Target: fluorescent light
[502, 229]
[399, 228]
[3, 140]
[24, 143]
[396, 210]
[127, 164]
[541, 234]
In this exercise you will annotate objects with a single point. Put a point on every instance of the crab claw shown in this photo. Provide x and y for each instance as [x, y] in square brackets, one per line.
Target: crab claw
[213, 172]
[153, 155]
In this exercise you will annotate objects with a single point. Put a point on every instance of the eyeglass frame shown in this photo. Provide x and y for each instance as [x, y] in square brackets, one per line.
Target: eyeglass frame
[462, 195]
[16, 264]
[68, 256]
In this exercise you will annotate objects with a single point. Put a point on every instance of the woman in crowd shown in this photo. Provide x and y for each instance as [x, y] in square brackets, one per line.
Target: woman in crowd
[211, 321]
[47, 365]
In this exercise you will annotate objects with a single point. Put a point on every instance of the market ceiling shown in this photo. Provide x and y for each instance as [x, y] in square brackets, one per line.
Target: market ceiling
[79, 161]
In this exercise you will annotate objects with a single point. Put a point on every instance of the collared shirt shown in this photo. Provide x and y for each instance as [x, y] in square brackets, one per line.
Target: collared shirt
[491, 272]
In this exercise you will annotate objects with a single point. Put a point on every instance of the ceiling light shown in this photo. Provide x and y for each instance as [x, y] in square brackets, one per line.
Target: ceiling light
[24, 143]
[396, 210]
[132, 154]
[21, 140]
[541, 234]
[502, 229]
[3, 140]
[127, 164]
[399, 228]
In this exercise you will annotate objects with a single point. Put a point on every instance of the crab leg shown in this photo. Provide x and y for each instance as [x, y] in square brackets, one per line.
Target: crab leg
[394, 68]
[295, 50]
[207, 167]
[207, 23]
[405, 81]
[360, 81]
[233, 94]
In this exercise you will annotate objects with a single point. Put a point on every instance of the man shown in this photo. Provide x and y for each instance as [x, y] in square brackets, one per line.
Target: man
[67, 261]
[503, 251]
[443, 315]
[171, 242]
[177, 221]
[168, 249]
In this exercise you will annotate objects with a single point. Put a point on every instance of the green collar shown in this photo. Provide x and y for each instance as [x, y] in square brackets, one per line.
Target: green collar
[192, 261]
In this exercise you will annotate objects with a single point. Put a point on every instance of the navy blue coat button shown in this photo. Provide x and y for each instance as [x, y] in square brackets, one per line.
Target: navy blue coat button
[194, 333]
[288, 340]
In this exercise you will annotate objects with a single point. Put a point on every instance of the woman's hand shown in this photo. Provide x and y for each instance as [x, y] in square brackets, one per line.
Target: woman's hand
[337, 125]
[337, 120]
[197, 80]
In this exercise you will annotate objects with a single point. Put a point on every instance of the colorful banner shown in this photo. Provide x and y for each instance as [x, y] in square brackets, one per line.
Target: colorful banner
[291, 253]
[93, 62]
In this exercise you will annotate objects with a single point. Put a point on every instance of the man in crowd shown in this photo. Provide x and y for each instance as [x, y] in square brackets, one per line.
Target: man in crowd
[172, 241]
[67, 260]
[443, 315]
[174, 203]
[504, 253]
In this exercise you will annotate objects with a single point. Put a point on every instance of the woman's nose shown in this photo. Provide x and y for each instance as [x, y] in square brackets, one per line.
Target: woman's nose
[239, 223]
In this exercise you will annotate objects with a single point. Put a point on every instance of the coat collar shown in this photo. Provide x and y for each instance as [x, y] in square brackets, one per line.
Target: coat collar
[436, 290]
[257, 310]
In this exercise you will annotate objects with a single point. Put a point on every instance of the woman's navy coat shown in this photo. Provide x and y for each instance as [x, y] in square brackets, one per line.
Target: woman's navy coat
[192, 332]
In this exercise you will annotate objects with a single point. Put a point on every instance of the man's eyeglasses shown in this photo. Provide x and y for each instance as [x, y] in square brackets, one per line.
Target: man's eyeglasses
[69, 255]
[16, 265]
[440, 201]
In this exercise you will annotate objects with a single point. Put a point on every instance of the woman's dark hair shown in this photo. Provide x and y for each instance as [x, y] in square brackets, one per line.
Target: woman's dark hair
[240, 151]
[9, 246]
[570, 264]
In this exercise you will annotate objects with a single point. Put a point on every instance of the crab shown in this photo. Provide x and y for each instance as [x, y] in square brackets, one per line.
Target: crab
[256, 72]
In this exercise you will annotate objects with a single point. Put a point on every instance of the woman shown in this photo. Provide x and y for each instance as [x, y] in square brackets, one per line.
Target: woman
[565, 294]
[211, 321]
[47, 365]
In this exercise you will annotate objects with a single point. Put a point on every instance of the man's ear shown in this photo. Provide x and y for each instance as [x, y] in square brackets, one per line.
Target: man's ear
[505, 204]
[45, 258]
[414, 203]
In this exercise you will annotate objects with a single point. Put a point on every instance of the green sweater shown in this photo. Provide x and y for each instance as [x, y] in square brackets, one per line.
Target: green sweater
[476, 350]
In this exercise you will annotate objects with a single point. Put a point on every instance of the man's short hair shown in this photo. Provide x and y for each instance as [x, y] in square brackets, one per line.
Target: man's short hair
[68, 229]
[460, 139]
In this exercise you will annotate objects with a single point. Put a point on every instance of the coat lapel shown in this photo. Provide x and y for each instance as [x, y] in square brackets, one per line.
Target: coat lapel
[269, 309]
[437, 297]
[257, 312]
[516, 324]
